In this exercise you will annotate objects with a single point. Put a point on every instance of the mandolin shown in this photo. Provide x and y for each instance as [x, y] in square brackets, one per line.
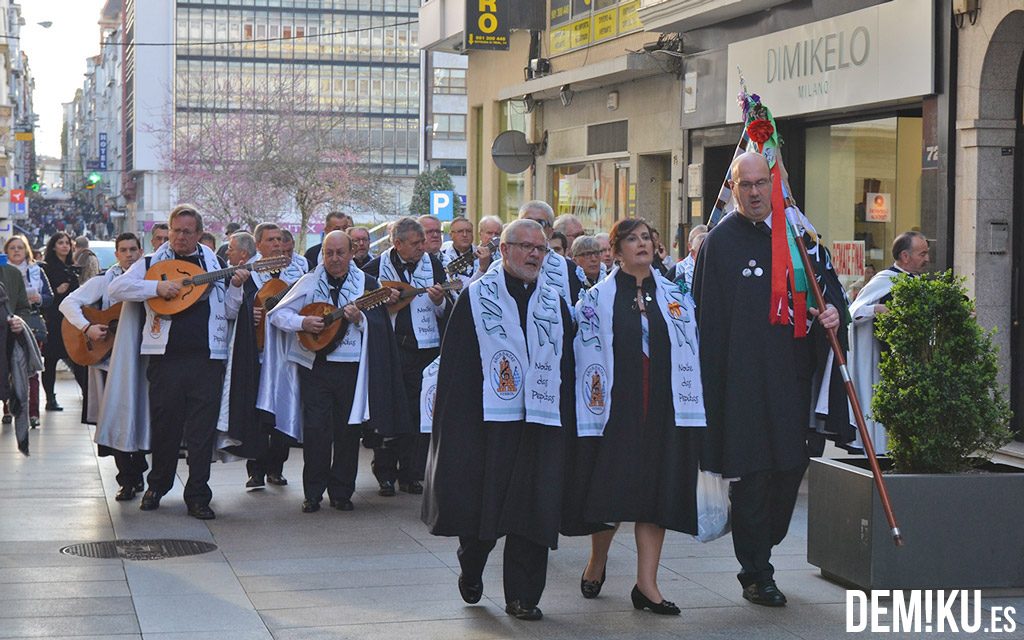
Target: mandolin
[194, 280]
[406, 292]
[467, 259]
[83, 350]
[272, 292]
[335, 324]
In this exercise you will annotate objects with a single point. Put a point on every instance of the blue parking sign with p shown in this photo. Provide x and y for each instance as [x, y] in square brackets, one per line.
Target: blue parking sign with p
[442, 204]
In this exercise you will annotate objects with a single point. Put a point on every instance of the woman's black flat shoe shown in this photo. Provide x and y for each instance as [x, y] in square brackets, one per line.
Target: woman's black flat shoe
[592, 588]
[641, 602]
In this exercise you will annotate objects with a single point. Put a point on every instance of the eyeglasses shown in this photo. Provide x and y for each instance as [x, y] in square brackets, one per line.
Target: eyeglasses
[433, 232]
[761, 184]
[542, 249]
[588, 254]
[543, 222]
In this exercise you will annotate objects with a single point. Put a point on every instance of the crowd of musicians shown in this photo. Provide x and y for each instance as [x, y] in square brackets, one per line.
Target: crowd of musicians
[529, 380]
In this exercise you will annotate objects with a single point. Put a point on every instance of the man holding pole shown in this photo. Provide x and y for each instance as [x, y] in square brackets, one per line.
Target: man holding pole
[756, 375]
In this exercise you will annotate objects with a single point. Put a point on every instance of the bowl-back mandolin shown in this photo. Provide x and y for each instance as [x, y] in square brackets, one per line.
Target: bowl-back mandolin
[194, 280]
[335, 324]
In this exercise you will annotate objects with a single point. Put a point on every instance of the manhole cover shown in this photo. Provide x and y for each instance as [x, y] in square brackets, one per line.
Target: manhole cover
[156, 549]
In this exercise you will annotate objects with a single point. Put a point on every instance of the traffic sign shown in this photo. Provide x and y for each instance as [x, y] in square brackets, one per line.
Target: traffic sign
[442, 204]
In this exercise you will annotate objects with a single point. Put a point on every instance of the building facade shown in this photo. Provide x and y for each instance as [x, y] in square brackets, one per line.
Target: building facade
[598, 111]
[988, 229]
[358, 60]
[17, 116]
[445, 115]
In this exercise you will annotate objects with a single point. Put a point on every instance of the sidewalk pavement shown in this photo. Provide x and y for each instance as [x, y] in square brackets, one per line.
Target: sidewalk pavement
[371, 573]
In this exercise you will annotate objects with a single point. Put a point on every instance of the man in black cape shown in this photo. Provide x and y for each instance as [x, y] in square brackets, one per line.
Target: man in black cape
[402, 457]
[490, 479]
[756, 377]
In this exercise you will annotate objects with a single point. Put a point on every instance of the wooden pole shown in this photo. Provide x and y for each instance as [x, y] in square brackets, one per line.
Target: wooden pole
[851, 392]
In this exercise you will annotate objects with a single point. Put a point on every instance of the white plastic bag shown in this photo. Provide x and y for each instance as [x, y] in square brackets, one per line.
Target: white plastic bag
[712, 506]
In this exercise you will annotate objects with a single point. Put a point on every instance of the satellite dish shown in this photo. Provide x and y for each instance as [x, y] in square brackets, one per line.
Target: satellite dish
[511, 152]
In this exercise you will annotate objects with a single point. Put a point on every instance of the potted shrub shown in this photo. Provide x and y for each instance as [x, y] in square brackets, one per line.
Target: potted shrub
[945, 414]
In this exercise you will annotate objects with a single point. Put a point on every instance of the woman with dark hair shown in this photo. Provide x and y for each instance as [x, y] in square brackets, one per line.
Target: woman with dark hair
[638, 399]
[63, 277]
[19, 256]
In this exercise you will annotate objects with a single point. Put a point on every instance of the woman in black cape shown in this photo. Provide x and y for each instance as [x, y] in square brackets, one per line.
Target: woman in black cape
[643, 468]
[63, 277]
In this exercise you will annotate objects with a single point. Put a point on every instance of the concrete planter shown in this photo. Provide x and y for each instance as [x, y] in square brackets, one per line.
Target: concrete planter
[960, 530]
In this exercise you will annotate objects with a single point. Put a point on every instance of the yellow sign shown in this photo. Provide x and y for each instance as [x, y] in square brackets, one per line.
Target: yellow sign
[25, 136]
[580, 33]
[561, 39]
[629, 19]
[605, 25]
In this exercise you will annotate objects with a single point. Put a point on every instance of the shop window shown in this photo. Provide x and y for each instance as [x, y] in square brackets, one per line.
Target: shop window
[863, 188]
[596, 192]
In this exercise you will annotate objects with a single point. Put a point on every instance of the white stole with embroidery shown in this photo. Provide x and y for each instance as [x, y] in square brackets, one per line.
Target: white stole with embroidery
[352, 347]
[522, 374]
[424, 320]
[158, 328]
[428, 393]
[594, 355]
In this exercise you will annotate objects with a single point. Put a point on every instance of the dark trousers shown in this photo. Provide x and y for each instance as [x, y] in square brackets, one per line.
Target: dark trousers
[524, 571]
[50, 375]
[762, 506]
[184, 403]
[272, 460]
[330, 445]
[404, 458]
[130, 467]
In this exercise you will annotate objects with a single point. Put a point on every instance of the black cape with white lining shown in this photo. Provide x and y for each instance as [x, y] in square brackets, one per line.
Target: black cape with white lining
[756, 376]
[638, 471]
[389, 413]
[246, 423]
[490, 479]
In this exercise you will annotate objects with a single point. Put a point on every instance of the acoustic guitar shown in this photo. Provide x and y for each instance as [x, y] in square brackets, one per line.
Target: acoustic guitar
[406, 292]
[269, 295]
[83, 350]
[465, 260]
[335, 324]
[194, 280]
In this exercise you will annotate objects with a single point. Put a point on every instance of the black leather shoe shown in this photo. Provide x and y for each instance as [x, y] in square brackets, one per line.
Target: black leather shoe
[125, 493]
[51, 405]
[342, 505]
[520, 612]
[276, 479]
[201, 512]
[139, 487]
[150, 501]
[592, 588]
[471, 593]
[765, 593]
[8, 419]
[414, 487]
[387, 489]
[255, 482]
[641, 602]
[310, 506]
[33, 422]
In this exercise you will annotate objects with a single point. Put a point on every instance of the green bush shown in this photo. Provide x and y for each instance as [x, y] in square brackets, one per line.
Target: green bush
[937, 395]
